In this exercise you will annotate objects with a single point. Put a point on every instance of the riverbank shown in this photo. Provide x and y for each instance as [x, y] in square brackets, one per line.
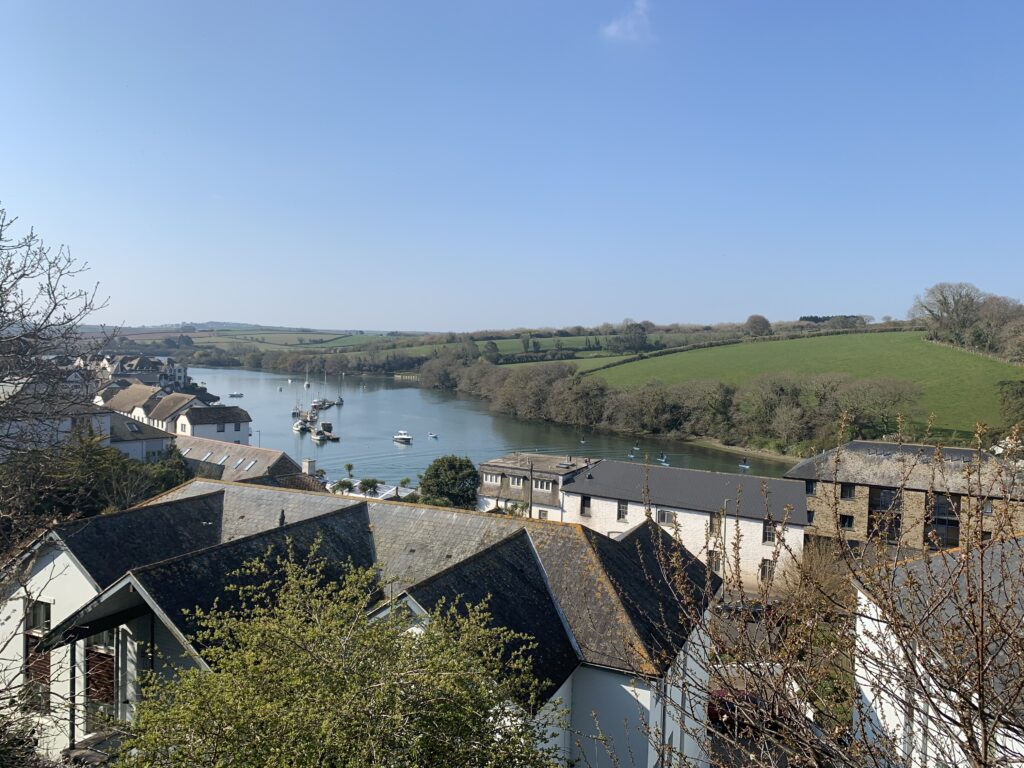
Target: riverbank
[739, 450]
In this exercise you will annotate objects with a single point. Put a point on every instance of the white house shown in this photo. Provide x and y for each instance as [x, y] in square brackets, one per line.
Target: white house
[228, 423]
[137, 440]
[531, 481]
[924, 685]
[615, 641]
[151, 405]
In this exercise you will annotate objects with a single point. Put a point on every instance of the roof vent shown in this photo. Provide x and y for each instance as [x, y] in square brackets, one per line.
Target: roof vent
[590, 475]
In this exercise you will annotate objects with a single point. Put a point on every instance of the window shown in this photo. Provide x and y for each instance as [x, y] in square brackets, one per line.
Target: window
[220, 427]
[847, 491]
[37, 663]
[715, 560]
[767, 531]
[942, 529]
[585, 506]
[885, 499]
[767, 569]
[666, 517]
[715, 529]
[987, 508]
[846, 522]
[100, 693]
[515, 482]
[622, 510]
[542, 485]
[810, 517]
[542, 514]
[491, 478]
[181, 426]
[810, 487]
[238, 426]
[885, 524]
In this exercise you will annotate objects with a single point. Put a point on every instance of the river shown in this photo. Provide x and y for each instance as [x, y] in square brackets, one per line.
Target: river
[377, 407]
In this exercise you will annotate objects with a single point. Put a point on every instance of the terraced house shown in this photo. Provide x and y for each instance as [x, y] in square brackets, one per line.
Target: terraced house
[914, 495]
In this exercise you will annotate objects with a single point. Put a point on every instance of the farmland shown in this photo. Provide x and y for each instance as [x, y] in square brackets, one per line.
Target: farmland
[958, 387]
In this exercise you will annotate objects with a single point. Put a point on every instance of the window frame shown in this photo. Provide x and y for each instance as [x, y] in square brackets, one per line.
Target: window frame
[36, 689]
[766, 570]
[538, 485]
[842, 522]
[585, 506]
[768, 531]
[670, 514]
[714, 562]
[810, 487]
[621, 510]
[515, 481]
[847, 491]
[221, 427]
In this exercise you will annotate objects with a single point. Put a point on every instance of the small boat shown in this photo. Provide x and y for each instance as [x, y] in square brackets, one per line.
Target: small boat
[322, 404]
[402, 437]
[744, 465]
[636, 446]
[631, 455]
[432, 435]
[318, 436]
[235, 394]
[583, 441]
[280, 389]
[300, 426]
[328, 429]
[340, 400]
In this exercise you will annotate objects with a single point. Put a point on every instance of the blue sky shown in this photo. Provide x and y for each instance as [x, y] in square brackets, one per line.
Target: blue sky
[477, 164]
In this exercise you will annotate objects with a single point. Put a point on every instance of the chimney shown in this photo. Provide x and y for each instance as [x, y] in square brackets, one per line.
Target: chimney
[280, 520]
[309, 467]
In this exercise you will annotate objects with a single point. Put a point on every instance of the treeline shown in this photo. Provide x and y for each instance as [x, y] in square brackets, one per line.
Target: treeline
[963, 315]
[778, 412]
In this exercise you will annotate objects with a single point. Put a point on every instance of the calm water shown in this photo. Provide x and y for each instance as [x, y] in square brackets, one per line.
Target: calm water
[376, 407]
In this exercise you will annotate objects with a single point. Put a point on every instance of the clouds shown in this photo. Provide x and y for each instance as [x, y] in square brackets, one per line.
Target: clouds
[631, 27]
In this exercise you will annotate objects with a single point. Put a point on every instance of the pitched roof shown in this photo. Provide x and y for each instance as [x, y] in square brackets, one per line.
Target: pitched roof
[510, 578]
[695, 489]
[217, 414]
[126, 399]
[914, 467]
[109, 545]
[124, 429]
[220, 460]
[168, 405]
[622, 608]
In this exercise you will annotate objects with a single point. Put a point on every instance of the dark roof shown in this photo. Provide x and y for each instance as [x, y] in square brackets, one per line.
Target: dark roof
[221, 460]
[623, 609]
[109, 545]
[693, 489]
[298, 481]
[124, 429]
[217, 414]
[510, 577]
[200, 578]
[912, 466]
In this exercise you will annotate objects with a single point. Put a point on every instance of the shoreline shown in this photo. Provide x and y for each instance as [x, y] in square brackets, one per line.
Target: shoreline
[738, 450]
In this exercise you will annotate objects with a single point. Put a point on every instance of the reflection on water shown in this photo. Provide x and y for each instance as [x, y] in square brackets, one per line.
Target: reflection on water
[377, 407]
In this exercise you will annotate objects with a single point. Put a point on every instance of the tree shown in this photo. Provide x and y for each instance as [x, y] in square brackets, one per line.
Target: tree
[348, 469]
[346, 689]
[757, 325]
[866, 654]
[1011, 396]
[949, 310]
[369, 485]
[491, 353]
[450, 481]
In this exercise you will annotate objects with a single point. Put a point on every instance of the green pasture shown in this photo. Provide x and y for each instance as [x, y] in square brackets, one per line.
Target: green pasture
[957, 386]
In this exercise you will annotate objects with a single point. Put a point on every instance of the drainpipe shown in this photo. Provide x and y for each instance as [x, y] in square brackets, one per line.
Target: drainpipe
[71, 704]
[529, 509]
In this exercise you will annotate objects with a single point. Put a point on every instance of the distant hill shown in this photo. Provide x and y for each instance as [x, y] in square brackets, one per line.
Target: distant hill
[958, 387]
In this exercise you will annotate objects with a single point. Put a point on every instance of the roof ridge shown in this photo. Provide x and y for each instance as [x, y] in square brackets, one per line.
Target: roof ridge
[318, 494]
[241, 539]
[140, 506]
[615, 593]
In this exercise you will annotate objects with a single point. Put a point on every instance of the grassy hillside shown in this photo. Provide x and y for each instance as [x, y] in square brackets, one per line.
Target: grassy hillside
[958, 387]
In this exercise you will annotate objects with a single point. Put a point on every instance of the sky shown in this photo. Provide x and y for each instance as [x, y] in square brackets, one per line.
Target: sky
[492, 164]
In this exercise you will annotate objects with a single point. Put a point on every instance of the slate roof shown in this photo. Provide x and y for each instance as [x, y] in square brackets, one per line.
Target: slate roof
[166, 406]
[124, 429]
[510, 578]
[126, 399]
[914, 467]
[541, 463]
[221, 460]
[693, 489]
[620, 608]
[217, 414]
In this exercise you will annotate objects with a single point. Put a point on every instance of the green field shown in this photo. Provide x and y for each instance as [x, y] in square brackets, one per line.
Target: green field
[582, 363]
[958, 387]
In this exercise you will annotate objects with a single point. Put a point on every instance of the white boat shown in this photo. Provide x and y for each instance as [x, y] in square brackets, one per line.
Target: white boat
[319, 436]
[402, 437]
[322, 403]
[300, 426]
[432, 435]
[235, 394]
[328, 430]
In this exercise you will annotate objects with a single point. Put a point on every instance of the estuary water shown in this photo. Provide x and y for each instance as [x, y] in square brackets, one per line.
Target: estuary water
[377, 407]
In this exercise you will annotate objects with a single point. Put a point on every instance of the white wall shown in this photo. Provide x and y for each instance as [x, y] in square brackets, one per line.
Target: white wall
[609, 715]
[690, 527]
[209, 431]
[56, 579]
